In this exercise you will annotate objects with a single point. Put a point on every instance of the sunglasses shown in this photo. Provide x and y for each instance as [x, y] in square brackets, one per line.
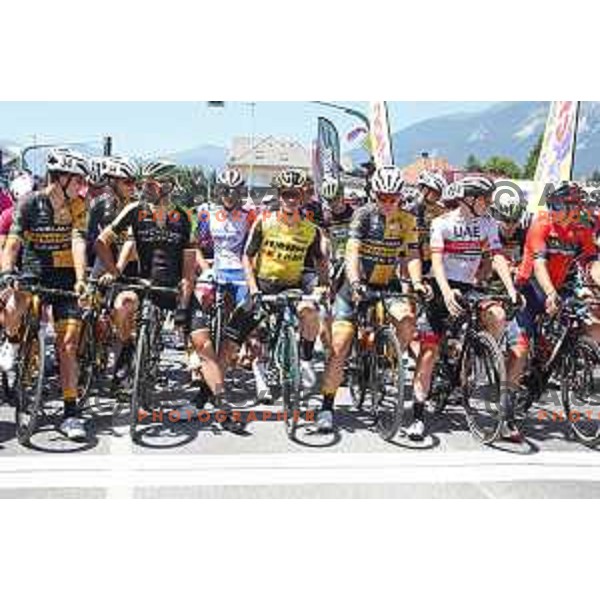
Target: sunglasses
[291, 196]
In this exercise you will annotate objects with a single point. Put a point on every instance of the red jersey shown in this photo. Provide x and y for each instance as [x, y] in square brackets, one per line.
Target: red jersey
[560, 243]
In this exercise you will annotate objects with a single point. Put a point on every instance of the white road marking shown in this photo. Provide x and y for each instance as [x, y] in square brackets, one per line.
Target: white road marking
[122, 472]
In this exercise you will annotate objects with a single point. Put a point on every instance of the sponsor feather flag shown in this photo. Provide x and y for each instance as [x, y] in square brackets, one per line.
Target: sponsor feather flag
[380, 138]
[555, 163]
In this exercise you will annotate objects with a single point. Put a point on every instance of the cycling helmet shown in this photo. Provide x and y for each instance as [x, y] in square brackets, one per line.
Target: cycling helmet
[118, 167]
[21, 185]
[567, 192]
[160, 170]
[477, 186]
[63, 160]
[452, 194]
[290, 179]
[231, 178]
[97, 171]
[387, 180]
[330, 189]
[432, 180]
[507, 208]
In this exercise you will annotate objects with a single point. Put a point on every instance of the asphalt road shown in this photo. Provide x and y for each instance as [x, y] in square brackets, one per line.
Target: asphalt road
[188, 458]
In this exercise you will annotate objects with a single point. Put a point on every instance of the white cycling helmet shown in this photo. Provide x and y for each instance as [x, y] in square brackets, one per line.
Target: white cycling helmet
[97, 171]
[20, 186]
[290, 179]
[160, 170]
[387, 180]
[63, 160]
[118, 167]
[432, 180]
[231, 178]
[477, 186]
[330, 189]
[507, 208]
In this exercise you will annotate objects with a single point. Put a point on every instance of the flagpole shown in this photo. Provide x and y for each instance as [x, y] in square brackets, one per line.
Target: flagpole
[576, 127]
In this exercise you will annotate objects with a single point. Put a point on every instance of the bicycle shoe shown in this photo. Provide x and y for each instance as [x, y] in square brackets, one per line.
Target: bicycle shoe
[73, 428]
[416, 430]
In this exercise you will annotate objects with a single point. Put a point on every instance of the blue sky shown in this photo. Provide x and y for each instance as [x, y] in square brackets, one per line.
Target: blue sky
[162, 127]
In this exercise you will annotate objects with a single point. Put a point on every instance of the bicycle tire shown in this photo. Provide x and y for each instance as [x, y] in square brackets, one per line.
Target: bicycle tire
[482, 348]
[140, 378]
[359, 375]
[289, 365]
[87, 362]
[388, 408]
[578, 371]
[28, 403]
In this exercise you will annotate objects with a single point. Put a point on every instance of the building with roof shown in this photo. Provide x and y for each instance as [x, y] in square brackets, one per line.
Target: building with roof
[261, 158]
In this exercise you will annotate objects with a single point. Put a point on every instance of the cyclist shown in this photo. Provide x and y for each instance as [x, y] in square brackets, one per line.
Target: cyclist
[558, 239]
[20, 187]
[50, 226]
[429, 205]
[337, 224]
[227, 226]
[381, 237]
[459, 240]
[279, 247]
[117, 175]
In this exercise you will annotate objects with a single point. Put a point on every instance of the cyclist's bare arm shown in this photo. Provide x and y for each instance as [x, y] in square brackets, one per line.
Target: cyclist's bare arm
[437, 268]
[595, 272]
[502, 267]
[352, 261]
[104, 252]
[126, 255]
[10, 252]
[201, 261]
[78, 248]
[188, 275]
[414, 267]
[250, 251]
[540, 269]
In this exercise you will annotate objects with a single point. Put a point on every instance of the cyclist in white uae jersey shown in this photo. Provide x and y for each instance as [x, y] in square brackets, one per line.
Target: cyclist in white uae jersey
[459, 240]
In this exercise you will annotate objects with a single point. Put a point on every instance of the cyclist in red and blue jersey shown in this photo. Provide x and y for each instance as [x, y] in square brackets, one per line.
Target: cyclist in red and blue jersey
[559, 240]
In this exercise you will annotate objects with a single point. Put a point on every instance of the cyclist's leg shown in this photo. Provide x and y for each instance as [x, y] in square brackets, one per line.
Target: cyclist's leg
[203, 345]
[403, 317]
[520, 332]
[124, 311]
[341, 342]
[67, 323]
[431, 330]
[493, 318]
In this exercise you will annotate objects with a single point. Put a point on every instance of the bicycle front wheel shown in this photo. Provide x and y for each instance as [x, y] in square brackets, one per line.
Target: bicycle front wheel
[139, 388]
[482, 372]
[29, 383]
[289, 365]
[87, 362]
[388, 384]
[580, 390]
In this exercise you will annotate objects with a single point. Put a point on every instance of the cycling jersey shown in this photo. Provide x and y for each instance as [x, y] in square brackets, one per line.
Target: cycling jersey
[463, 241]
[560, 244]
[6, 219]
[283, 247]
[159, 247]
[47, 236]
[227, 231]
[425, 214]
[338, 226]
[102, 213]
[382, 241]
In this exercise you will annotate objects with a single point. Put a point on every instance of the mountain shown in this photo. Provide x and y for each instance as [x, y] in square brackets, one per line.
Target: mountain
[507, 129]
[214, 157]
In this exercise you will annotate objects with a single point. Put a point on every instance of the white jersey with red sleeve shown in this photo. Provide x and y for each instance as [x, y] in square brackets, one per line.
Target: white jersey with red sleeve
[462, 242]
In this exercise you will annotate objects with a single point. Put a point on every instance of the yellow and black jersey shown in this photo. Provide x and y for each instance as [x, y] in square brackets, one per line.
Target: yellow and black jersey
[383, 242]
[425, 214]
[283, 247]
[47, 233]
